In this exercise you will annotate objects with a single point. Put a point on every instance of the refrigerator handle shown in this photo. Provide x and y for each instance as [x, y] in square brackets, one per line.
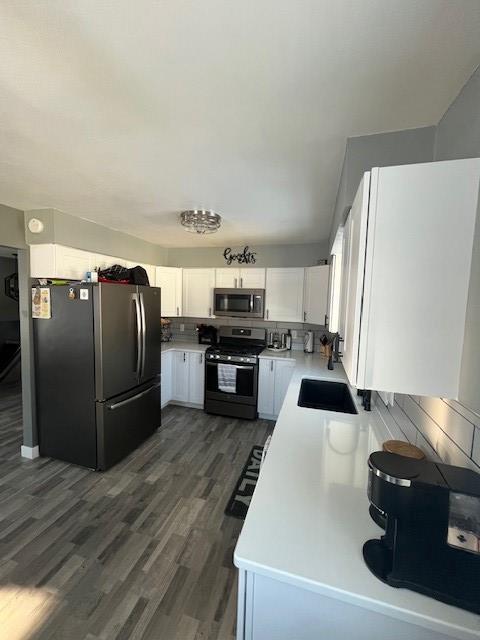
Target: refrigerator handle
[122, 403]
[138, 322]
[144, 333]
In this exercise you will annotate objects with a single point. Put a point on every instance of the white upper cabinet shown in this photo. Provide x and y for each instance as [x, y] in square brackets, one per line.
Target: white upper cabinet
[169, 279]
[227, 278]
[57, 261]
[198, 285]
[406, 309]
[284, 295]
[234, 278]
[316, 294]
[253, 278]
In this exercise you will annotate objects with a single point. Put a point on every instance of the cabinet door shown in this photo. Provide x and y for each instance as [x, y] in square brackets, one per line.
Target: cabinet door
[197, 377]
[252, 278]
[316, 294]
[180, 376]
[72, 263]
[169, 279]
[356, 236]
[42, 261]
[266, 378]
[227, 278]
[283, 374]
[285, 295]
[198, 285]
[166, 392]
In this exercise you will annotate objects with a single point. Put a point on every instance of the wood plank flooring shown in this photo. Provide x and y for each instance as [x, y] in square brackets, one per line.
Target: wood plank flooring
[141, 552]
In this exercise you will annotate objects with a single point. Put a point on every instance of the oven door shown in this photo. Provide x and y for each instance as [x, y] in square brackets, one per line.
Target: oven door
[246, 383]
[239, 303]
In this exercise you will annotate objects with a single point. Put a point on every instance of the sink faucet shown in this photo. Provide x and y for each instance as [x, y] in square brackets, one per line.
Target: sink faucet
[335, 353]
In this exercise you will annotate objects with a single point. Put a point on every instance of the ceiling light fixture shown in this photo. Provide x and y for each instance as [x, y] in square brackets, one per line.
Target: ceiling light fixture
[200, 221]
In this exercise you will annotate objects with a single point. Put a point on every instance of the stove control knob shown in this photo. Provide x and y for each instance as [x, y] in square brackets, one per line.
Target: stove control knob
[229, 357]
[217, 357]
[243, 359]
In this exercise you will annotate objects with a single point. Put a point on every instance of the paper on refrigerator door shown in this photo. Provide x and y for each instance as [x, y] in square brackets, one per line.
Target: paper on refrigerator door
[41, 303]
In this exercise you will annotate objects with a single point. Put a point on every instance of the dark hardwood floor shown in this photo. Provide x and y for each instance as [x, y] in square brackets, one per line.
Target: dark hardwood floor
[143, 551]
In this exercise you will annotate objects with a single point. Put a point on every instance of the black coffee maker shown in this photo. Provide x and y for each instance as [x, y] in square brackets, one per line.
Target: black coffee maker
[432, 535]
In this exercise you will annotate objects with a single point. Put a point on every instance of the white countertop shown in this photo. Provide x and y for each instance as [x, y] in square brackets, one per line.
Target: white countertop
[309, 518]
[184, 346]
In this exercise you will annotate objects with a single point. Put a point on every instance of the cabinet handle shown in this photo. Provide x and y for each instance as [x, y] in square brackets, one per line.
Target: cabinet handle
[235, 283]
[271, 365]
[201, 358]
[178, 311]
[241, 283]
[304, 316]
[184, 356]
[326, 320]
[268, 313]
[209, 311]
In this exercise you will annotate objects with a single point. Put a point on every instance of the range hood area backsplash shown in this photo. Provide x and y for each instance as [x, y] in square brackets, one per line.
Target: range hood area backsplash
[190, 335]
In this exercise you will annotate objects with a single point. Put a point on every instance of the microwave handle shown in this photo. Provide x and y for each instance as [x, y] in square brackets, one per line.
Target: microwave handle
[251, 303]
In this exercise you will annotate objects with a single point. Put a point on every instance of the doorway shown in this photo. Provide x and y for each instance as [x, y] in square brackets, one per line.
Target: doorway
[10, 357]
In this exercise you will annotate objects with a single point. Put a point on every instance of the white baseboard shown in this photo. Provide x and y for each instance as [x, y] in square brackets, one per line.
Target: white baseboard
[29, 452]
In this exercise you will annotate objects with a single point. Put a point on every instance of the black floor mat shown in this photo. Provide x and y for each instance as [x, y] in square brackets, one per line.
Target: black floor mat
[242, 494]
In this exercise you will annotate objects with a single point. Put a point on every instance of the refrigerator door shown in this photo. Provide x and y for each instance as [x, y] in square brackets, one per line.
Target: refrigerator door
[126, 421]
[152, 332]
[118, 339]
[64, 377]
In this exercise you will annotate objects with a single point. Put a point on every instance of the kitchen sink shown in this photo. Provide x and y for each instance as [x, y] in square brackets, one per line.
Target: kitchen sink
[330, 396]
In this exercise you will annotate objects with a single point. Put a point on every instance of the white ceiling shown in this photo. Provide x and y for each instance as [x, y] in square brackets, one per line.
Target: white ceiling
[127, 111]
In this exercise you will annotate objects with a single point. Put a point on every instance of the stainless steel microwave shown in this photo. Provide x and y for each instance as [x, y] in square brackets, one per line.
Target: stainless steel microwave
[239, 303]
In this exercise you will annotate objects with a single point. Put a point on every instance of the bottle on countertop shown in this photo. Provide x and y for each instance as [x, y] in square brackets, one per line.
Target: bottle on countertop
[288, 340]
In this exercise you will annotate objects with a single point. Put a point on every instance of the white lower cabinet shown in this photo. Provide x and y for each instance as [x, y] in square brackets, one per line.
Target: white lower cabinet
[275, 610]
[183, 377]
[166, 389]
[180, 376]
[273, 379]
[196, 380]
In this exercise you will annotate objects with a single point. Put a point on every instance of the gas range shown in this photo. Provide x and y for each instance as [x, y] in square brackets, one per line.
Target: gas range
[233, 390]
[233, 353]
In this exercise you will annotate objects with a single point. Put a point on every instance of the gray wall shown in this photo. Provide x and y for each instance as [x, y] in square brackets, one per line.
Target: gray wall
[12, 232]
[294, 255]
[378, 150]
[71, 231]
[458, 132]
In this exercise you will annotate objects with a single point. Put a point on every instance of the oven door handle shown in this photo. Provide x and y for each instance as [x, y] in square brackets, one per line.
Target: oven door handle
[237, 366]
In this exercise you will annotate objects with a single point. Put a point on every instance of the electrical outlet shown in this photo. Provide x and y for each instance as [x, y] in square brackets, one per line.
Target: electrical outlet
[182, 327]
[294, 334]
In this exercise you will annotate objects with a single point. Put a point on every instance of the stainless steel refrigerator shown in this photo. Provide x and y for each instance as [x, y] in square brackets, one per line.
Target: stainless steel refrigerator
[97, 364]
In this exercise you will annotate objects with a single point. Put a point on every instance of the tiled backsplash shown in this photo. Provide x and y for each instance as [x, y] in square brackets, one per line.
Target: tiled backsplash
[444, 429]
[189, 334]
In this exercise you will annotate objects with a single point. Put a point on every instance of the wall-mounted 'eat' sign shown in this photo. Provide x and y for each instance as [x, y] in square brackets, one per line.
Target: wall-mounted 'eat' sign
[245, 257]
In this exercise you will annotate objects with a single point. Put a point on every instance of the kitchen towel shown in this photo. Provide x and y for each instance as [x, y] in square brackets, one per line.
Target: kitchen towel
[227, 378]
